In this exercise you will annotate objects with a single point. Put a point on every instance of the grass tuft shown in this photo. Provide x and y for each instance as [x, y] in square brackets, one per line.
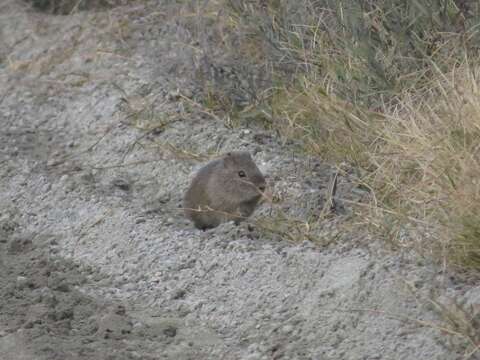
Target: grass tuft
[390, 87]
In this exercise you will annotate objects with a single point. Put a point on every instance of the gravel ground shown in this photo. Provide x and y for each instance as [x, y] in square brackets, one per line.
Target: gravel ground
[99, 263]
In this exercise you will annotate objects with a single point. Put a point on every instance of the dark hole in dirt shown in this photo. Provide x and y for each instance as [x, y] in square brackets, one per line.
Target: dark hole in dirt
[275, 348]
[122, 184]
[63, 287]
[66, 7]
[180, 294]
[28, 325]
[18, 245]
[120, 310]
[66, 314]
[170, 331]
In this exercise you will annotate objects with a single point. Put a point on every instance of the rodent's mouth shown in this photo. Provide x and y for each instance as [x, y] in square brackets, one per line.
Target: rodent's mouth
[257, 197]
[258, 188]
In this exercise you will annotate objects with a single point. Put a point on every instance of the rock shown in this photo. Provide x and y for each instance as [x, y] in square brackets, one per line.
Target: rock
[122, 183]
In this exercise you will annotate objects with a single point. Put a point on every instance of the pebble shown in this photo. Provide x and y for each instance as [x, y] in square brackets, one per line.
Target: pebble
[287, 329]
[22, 281]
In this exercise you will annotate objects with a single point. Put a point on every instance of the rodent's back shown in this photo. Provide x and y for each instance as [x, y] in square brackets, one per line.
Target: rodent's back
[197, 193]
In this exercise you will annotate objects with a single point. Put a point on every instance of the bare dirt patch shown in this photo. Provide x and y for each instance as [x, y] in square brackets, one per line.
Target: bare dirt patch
[97, 259]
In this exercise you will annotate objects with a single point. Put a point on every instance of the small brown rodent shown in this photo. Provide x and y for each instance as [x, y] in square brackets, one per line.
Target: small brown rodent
[228, 188]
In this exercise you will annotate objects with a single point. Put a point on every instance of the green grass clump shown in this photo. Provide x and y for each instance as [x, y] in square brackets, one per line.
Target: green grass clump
[367, 52]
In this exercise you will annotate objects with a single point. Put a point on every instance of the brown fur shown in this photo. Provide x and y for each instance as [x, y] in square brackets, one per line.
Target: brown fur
[218, 193]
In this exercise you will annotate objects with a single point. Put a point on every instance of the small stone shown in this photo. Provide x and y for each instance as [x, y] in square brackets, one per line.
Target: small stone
[46, 188]
[262, 139]
[163, 197]
[173, 95]
[287, 329]
[179, 294]
[22, 282]
[122, 184]
[52, 162]
[63, 287]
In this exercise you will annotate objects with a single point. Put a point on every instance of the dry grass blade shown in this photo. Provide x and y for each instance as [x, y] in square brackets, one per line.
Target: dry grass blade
[330, 205]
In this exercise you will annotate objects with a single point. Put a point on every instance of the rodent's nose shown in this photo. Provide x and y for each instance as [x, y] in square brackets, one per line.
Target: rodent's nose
[261, 188]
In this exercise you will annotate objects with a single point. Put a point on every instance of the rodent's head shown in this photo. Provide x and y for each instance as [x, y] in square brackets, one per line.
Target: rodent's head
[241, 176]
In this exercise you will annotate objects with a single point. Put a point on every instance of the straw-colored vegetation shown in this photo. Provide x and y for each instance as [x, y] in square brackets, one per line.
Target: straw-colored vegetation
[389, 86]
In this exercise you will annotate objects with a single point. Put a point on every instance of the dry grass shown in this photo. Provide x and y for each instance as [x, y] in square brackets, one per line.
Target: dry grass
[298, 229]
[387, 86]
[463, 322]
[456, 322]
[428, 165]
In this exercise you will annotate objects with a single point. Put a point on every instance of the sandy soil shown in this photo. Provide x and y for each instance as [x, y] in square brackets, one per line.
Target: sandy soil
[97, 261]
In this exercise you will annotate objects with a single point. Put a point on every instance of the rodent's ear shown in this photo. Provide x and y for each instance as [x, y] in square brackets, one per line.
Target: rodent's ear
[228, 159]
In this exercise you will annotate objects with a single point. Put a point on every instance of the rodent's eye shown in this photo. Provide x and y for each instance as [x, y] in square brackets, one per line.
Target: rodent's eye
[241, 173]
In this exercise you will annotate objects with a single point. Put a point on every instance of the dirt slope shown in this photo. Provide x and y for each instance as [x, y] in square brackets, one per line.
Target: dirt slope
[96, 259]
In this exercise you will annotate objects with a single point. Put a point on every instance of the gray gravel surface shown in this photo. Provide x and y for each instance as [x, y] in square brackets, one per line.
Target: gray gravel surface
[97, 260]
